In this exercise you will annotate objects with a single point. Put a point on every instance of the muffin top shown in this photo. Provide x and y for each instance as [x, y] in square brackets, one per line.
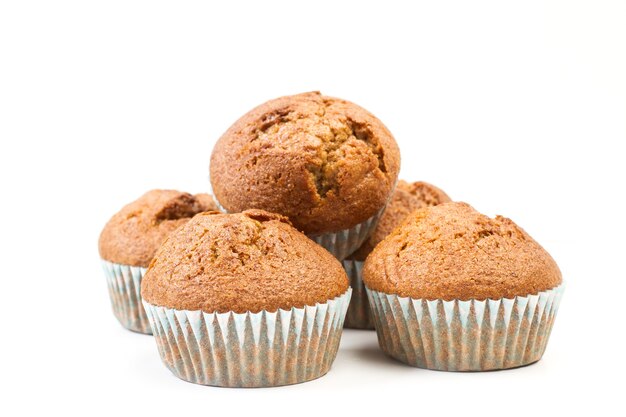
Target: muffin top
[406, 198]
[451, 251]
[249, 261]
[133, 235]
[325, 163]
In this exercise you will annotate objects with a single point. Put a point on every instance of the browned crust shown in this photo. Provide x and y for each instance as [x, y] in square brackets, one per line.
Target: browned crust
[451, 251]
[249, 261]
[406, 198]
[324, 162]
[133, 235]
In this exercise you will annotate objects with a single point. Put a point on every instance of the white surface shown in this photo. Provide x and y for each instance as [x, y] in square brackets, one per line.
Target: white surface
[519, 109]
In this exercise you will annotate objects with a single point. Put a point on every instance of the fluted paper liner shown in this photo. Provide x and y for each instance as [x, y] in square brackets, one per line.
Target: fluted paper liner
[249, 349]
[358, 315]
[468, 335]
[345, 242]
[124, 283]
[341, 243]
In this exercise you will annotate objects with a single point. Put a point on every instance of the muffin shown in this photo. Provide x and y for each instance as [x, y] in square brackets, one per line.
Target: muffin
[452, 289]
[327, 164]
[130, 239]
[406, 198]
[245, 300]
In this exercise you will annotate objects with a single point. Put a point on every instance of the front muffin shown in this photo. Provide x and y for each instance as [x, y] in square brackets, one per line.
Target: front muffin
[406, 198]
[245, 300]
[326, 163]
[130, 239]
[453, 289]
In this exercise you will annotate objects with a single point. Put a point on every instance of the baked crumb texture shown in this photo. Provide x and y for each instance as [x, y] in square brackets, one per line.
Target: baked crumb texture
[249, 261]
[451, 251]
[133, 235]
[407, 197]
[325, 163]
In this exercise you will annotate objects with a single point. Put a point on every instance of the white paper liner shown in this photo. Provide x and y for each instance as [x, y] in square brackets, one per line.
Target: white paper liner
[249, 349]
[345, 242]
[358, 315]
[124, 283]
[468, 335]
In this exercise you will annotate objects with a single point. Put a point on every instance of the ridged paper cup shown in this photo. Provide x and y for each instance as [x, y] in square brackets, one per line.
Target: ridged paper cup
[358, 315]
[124, 283]
[261, 349]
[468, 335]
[345, 242]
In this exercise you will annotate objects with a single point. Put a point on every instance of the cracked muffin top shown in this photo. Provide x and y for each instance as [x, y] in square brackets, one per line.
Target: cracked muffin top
[406, 198]
[451, 251]
[325, 163]
[249, 261]
[133, 235]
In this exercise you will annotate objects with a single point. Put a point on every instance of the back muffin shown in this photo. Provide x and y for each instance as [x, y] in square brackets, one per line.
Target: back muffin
[130, 239]
[327, 164]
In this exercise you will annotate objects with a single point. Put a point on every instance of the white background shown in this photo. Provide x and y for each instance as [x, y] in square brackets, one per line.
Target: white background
[518, 108]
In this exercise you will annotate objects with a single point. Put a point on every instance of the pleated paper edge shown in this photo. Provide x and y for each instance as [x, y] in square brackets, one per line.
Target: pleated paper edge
[228, 330]
[359, 303]
[345, 242]
[125, 295]
[524, 306]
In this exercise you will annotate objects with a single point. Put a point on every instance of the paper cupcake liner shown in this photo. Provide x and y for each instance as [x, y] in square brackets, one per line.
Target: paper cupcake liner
[345, 242]
[358, 315]
[468, 335]
[250, 349]
[124, 283]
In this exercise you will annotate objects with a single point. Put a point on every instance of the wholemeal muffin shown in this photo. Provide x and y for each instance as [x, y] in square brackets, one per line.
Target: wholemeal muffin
[453, 289]
[245, 300]
[130, 239]
[406, 198]
[327, 164]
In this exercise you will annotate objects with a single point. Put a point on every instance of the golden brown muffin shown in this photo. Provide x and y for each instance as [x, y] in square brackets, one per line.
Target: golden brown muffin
[248, 261]
[451, 251]
[324, 162]
[133, 235]
[406, 198]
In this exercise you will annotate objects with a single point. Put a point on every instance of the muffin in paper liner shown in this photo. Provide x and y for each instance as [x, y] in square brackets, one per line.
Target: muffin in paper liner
[468, 335]
[124, 283]
[261, 349]
[358, 315]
